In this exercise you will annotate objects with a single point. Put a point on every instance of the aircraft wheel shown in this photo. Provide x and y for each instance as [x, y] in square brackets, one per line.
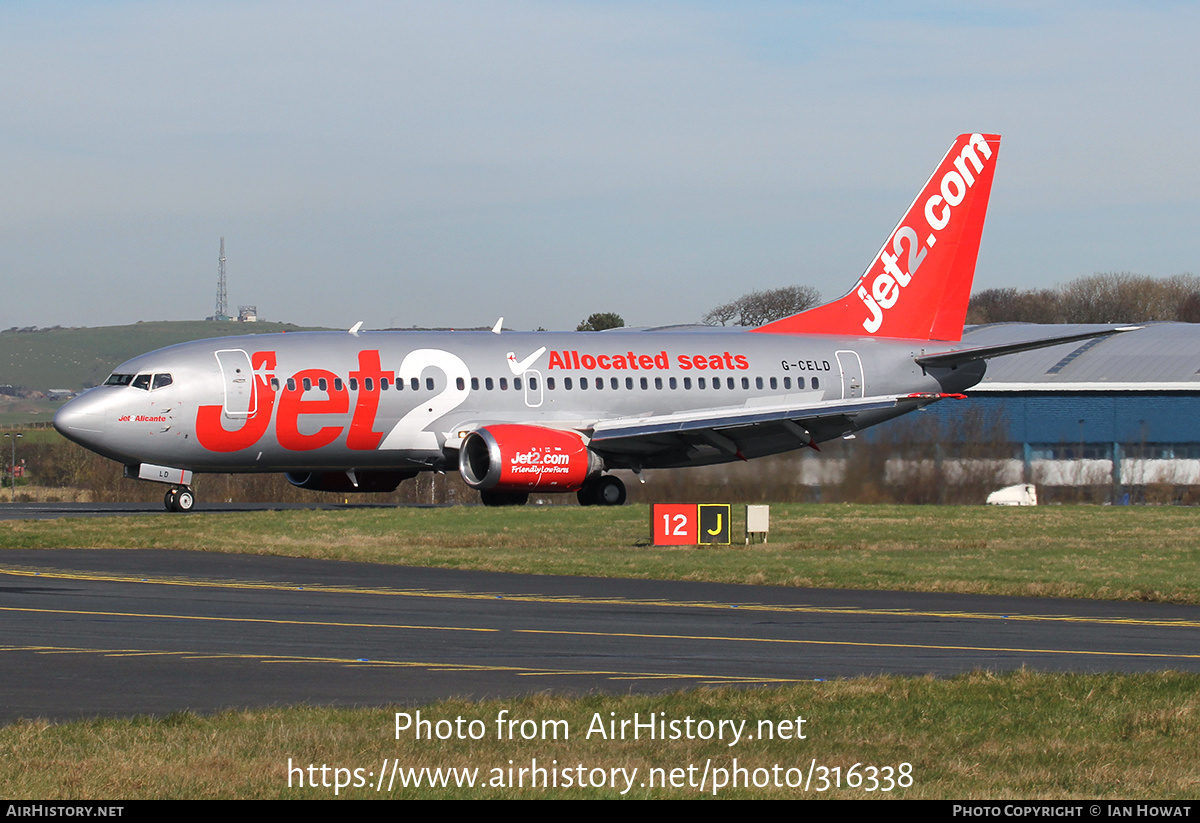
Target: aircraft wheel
[605, 490]
[185, 500]
[179, 499]
[610, 491]
[587, 493]
[504, 498]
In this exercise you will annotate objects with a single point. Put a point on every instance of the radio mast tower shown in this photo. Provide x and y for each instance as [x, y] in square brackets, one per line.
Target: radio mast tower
[222, 312]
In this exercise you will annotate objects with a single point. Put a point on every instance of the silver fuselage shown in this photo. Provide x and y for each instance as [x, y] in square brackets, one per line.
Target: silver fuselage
[335, 401]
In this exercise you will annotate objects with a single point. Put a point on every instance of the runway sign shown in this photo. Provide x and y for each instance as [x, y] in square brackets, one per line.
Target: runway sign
[685, 524]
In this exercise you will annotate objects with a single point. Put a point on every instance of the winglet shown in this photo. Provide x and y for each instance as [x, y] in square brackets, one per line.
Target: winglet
[499, 324]
[354, 329]
[919, 284]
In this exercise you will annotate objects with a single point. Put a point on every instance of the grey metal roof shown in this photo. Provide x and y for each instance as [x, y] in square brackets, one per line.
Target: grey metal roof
[1157, 357]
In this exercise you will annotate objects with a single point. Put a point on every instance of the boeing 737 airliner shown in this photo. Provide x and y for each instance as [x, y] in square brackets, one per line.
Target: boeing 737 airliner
[553, 412]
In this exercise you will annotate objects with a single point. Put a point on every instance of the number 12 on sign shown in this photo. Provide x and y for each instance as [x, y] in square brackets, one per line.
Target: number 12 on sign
[685, 524]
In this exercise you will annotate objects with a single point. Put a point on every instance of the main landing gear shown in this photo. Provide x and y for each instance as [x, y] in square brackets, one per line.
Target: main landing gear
[180, 499]
[602, 490]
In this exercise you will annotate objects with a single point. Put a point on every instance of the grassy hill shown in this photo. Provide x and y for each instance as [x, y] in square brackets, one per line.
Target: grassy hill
[74, 358]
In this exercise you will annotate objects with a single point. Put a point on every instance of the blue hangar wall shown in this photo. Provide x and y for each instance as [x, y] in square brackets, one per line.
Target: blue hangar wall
[1139, 391]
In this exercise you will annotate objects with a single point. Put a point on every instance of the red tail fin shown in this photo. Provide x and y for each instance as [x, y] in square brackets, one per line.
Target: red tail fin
[919, 285]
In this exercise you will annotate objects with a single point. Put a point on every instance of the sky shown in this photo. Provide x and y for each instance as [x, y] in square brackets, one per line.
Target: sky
[443, 164]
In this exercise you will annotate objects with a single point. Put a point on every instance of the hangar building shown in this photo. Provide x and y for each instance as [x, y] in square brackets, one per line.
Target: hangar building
[1121, 410]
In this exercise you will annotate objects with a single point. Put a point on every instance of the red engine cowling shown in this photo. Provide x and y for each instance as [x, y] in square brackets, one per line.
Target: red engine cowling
[509, 457]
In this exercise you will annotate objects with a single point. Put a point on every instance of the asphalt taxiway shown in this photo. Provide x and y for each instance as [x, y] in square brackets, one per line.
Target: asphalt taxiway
[122, 632]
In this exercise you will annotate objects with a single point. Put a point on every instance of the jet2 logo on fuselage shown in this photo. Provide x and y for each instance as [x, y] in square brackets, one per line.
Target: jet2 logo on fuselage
[289, 405]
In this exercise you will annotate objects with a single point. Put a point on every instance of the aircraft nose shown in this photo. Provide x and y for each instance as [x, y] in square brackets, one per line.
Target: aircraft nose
[81, 419]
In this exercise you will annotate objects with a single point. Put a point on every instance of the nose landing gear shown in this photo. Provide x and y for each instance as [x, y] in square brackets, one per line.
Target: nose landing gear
[179, 499]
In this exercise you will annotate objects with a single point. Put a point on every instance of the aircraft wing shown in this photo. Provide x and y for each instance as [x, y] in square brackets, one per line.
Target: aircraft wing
[737, 431]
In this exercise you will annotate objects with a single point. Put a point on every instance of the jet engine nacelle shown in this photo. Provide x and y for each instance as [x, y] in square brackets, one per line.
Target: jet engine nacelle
[373, 481]
[514, 458]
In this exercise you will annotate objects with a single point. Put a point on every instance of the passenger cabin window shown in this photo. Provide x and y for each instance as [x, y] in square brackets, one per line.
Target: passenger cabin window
[142, 381]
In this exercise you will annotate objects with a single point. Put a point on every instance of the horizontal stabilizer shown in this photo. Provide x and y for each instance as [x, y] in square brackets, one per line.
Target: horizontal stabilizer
[961, 356]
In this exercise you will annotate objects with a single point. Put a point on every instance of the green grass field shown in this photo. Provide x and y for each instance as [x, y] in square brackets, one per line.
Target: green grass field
[1016, 736]
[1019, 736]
[1115, 553]
[72, 358]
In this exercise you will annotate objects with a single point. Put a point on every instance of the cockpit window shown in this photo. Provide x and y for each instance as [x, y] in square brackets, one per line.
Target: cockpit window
[161, 380]
[118, 380]
[142, 381]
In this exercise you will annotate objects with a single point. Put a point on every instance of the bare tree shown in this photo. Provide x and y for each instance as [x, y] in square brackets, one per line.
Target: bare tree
[1189, 309]
[721, 315]
[1012, 306]
[1104, 297]
[1113, 297]
[759, 307]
